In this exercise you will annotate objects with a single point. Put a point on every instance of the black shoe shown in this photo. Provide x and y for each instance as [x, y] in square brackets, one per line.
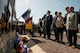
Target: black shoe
[44, 37]
[40, 34]
[49, 38]
[55, 39]
[69, 44]
[61, 42]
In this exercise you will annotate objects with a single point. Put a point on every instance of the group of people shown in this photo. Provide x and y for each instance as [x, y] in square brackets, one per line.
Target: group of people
[69, 23]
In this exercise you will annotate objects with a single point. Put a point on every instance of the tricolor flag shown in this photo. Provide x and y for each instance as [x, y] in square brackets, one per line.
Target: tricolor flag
[26, 14]
[27, 17]
[29, 20]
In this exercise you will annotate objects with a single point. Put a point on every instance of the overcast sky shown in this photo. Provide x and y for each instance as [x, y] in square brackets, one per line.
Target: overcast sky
[40, 7]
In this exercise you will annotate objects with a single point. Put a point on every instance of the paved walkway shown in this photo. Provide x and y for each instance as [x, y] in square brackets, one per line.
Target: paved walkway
[41, 45]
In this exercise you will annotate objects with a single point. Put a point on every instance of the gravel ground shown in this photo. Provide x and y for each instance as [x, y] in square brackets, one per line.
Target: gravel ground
[51, 46]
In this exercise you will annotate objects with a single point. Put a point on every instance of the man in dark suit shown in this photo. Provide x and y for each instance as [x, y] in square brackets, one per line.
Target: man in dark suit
[48, 21]
[54, 25]
[40, 26]
[65, 20]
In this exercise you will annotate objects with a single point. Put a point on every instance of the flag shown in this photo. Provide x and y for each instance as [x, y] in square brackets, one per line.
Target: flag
[26, 14]
[29, 20]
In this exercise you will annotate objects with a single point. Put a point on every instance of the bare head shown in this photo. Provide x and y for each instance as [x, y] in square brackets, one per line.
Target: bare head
[48, 12]
[56, 13]
[71, 9]
[59, 14]
[67, 9]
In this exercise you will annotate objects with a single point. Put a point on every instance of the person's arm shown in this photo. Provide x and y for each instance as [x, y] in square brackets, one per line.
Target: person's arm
[65, 18]
[51, 20]
[76, 21]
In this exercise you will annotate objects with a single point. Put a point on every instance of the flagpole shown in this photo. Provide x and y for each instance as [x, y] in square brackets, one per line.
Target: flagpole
[18, 18]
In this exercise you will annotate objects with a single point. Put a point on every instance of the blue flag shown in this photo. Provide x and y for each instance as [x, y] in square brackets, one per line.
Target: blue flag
[26, 13]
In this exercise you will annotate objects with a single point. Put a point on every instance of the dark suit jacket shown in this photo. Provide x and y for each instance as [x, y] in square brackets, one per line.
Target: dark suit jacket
[49, 20]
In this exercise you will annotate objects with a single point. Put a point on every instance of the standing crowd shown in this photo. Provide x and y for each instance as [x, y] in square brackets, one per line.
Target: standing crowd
[68, 23]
